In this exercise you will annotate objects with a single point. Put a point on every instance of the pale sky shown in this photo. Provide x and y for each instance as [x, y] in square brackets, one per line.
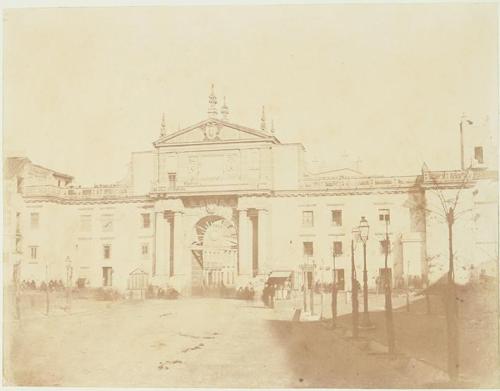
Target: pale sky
[83, 88]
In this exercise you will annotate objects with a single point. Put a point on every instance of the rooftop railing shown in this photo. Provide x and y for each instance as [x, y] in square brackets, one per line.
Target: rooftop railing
[97, 192]
[358, 183]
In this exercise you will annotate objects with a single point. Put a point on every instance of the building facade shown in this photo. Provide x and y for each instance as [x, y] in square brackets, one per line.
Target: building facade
[219, 203]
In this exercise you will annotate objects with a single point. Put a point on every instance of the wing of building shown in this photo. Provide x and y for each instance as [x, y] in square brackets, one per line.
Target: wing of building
[218, 203]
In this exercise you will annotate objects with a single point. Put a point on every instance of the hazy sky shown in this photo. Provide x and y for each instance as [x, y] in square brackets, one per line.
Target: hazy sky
[385, 83]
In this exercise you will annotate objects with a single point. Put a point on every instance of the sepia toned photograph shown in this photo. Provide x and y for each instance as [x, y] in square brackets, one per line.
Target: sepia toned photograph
[251, 196]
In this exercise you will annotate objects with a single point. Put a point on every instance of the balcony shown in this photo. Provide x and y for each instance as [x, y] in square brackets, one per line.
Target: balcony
[455, 176]
[76, 193]
[359, 183]
[215, 187]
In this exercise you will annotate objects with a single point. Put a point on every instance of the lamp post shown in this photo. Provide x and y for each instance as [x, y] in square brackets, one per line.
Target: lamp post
[364, 229]
[17, 288]
[69, 282]
[462, 121]
[304, 284]
[311, 288]
[388, 293]
[47, 296]
[334, 292]
[354, 284]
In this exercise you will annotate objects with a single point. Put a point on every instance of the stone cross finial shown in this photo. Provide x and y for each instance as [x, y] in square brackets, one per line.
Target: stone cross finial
[263, 120]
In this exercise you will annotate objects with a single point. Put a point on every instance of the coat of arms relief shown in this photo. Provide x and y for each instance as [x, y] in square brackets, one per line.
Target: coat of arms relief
[211, 131]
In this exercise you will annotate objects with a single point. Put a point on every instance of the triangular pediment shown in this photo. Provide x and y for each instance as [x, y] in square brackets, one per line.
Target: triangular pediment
[214, 130]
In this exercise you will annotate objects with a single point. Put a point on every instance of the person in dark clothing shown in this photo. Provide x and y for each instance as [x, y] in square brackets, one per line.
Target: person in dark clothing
[272, 292]
[265, 295]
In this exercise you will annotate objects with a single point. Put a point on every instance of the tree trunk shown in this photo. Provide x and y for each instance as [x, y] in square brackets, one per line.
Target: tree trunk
[334, 305]
[451, 310]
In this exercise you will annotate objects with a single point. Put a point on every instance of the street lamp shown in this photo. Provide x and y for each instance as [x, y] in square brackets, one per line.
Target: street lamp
[388, 292]
[354, 284]
[334, 291]
[69, 281]
[462, 121]
[364, 229]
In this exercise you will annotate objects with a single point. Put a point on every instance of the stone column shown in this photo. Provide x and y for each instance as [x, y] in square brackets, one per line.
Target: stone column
[244, 244]
[263, 235]
[161, 254]
[167, 218]
[179, 262]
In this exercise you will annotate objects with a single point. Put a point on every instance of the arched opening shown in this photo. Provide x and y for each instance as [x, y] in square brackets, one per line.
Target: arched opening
[215, 255]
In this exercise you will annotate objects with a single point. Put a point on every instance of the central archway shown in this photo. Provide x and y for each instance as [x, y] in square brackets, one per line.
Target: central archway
[215, 255]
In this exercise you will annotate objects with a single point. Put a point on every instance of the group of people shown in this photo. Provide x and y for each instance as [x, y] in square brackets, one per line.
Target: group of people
[246, 293]
[268, 294]
[274, 292]
[53, 285]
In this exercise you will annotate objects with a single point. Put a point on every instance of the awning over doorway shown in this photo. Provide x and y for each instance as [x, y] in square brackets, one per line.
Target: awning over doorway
[279, 276]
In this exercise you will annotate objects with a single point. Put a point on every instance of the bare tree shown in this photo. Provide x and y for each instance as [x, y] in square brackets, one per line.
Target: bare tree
[430, 261]
[448, 211]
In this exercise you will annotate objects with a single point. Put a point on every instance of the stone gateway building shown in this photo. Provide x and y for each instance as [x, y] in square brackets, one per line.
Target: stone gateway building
[220, 204]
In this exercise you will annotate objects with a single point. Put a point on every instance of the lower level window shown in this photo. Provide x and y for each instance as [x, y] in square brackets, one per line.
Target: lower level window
[33, 252]
[107, 251]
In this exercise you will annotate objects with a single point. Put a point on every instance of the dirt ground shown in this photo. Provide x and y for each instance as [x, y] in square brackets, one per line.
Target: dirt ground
[423, 335]
[186, 343]
[233, 343]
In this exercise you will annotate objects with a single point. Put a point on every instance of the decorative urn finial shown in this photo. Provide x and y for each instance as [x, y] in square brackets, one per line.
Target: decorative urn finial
[163, 128]
[224, 110]
[212, 104]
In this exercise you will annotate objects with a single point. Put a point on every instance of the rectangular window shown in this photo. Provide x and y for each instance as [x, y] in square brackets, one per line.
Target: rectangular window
[145, 250]
[146, 220]
[107, 251]
[307, 218]
[337, 218]
[308, 249]
[35, 220]
[107, 223]
[34, 252]
[337, 248]
[384, 215]
[85, 223]
[19, 247]
[172, 179]
[18, 222]
[20, 182]
[478, 154]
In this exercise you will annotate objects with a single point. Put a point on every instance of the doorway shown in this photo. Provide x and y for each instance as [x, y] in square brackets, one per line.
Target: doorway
[340, 279]
[107, 276]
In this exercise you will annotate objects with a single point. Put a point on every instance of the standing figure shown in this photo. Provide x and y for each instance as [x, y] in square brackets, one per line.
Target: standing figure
[272, 292]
